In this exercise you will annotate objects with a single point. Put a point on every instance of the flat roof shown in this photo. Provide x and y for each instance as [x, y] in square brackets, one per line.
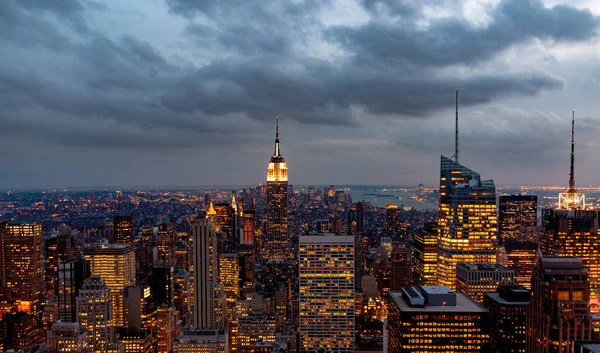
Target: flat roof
[436, 290]
[463, 304]
[496, 296]
[326, 238]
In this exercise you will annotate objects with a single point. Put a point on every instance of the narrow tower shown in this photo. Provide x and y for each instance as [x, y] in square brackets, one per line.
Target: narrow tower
[571, 199]
[277, 203]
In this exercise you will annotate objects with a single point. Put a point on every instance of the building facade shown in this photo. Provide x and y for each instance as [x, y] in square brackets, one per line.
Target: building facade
[507, 307]
[517, 218]
[95, 314]
[277, 239]
[475, 280]
[425, 255]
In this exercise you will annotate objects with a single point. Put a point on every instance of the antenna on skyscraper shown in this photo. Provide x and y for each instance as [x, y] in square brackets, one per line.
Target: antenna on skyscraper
[456, 132]
[572, 174]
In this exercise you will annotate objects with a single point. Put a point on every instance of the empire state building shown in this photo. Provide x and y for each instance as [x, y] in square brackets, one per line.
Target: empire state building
[277, 204]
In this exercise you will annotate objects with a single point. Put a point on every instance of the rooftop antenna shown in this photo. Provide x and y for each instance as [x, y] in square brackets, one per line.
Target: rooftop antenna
[572, 174]
[277, 152]
[456, 131]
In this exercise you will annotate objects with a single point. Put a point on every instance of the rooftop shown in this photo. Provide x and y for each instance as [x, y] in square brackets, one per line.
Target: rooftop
[463, 303]
[326, 238]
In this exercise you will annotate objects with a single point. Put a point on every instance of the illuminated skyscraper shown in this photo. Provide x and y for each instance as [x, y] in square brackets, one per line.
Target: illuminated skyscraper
[115, 264]
[475, 280]
[326, 293]
[277, 204]
[392, 220]
[167, 241]
[467, 224]
[435, 319]
[248, 227]
[521, 258]
[230, 276]
[571, 230]
[517, 217]
[400, 261]
[203, 273]
[425, 255]
[559, 311]
[123, 228]
[23, 265]
[95, 314]
[167, 328]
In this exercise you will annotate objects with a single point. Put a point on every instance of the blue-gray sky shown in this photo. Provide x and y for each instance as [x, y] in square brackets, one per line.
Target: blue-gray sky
[185, 92]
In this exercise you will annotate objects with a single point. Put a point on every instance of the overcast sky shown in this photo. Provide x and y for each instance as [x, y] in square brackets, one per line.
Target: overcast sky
[185, 92]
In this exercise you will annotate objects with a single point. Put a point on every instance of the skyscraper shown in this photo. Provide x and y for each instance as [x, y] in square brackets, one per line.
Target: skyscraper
[467, 222]
[248, 227]
[326, 293]
[123, 228]
[115, 264]
[400, 261]
[559, 311]
[507, 309]
[392, 220]
[571, 229]
[167, 240]
[23, 265]
[203, 272]
[517, 217]
[71, 275]
[95, 314]
[475, 280]
[425, 255]
[521, 258]
[435, 319]
[277, 204]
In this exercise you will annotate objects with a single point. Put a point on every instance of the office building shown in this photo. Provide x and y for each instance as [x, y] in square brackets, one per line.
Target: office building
[326, 293]
[392, 220]
[115, 264]
[71, 275]
[123, 229]
[277, 238]
[507, 307]
[136, 341]
[182, 295]
[475, 280]
[67, 337]
[559, 311]
[163, 285]
[95, 314]
[248, 223]
[359, 259]
[203, 273]
[468, 224]
[517, 218]
[586, 347]
[167, 328]
[435, 319]
[58, 249]
[253, 329]
[246, 255]
[521, 257]
[21, 330]
[138, 308]
[167, 242]
[400, 263]
[425, 255]
[23, 265]
[208, 340]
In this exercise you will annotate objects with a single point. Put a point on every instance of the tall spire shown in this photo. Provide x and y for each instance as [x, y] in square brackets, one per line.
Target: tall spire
[277, 152]
[456, 131]
[572, 174]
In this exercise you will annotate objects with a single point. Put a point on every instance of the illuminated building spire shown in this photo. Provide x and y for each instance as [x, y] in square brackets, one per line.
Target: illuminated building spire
[211, 210]
[277, 152]
[571, 199]
[572, 175]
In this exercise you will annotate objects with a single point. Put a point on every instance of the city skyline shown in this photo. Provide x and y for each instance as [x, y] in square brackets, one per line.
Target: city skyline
[99, 96]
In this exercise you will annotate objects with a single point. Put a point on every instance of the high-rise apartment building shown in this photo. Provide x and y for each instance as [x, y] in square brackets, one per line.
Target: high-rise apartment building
[559, 311]
[517, 217]
[326, 293]
[277, 204]
[475, 280]
[435, 319]
[521, 257]
[203, 273]
[115, 264]
[95, 314]
[123, 229]
[66, 337]
[71, 275]
[467, 224]
[507, 307]
[400, 262]
[425, 255]
[167, 242]
[23, 265]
